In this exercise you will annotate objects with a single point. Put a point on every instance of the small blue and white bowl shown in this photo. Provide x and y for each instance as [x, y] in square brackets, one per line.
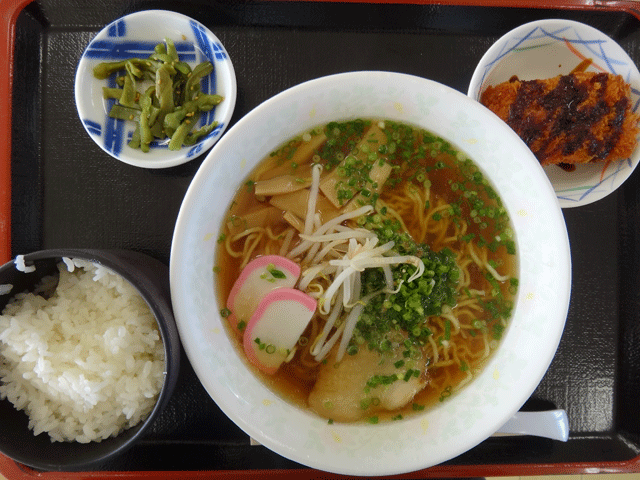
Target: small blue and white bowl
[136, 35]
[547, 48]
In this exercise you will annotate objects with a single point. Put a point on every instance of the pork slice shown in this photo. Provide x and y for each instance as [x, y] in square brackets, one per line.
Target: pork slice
[341, 392]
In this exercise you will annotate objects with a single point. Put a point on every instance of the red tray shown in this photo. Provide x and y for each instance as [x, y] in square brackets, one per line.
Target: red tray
[597, 380]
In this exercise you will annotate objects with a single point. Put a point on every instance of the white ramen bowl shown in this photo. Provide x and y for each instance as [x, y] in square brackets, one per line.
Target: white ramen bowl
[136, 35]
[528, 346]
[544, 49]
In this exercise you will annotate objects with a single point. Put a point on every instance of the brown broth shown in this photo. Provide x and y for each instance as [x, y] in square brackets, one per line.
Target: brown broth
[293, 381]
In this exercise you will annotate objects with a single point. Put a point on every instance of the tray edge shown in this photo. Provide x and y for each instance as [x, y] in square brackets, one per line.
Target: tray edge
[9, 12]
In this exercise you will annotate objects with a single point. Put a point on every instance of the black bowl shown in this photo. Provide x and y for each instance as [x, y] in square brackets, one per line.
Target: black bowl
[151, 278]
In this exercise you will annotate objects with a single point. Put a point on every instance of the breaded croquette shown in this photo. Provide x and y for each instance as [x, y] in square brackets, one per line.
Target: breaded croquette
[569, 119]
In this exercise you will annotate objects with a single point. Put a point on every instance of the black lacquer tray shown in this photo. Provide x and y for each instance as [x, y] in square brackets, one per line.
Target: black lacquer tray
[66, 192]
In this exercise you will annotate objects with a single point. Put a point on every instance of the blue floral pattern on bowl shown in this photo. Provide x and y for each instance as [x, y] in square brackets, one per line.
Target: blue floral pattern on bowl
[544, 49]
[136, 35]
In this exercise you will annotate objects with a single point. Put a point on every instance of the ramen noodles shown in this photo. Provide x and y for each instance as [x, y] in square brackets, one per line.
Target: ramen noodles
[368, 270]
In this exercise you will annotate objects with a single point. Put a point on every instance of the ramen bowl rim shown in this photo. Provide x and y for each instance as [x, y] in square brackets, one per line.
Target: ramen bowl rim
[253, 400]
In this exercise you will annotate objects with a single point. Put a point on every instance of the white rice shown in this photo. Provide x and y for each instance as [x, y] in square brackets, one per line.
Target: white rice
[20, 265]
[86, 363]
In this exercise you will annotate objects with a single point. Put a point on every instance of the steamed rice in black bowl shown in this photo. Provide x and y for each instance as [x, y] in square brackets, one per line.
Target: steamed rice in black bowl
[85, 355]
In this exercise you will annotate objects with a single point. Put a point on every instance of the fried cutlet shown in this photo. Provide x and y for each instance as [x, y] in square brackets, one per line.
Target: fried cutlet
[569, 119]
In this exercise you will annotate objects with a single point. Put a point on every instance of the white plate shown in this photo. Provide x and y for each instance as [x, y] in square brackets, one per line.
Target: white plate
[528, 346]
[544, 49]
[136, 35]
